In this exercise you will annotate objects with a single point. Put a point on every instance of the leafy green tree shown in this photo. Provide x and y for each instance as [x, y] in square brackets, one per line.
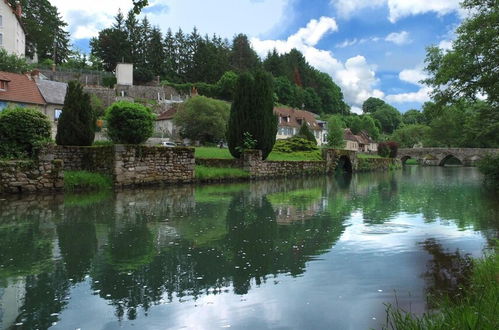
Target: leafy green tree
[111, 47]
[274, 64]
[368, 124]
[76, 125]
[372, 104]
[227, 85]
[13, 63]
[335, 132]
[389, 117]
[203, 119]
[45, 30]
[410, 135]
[252, 112]
[355, 124]
[129, 123]
[481, 129]
[413, 117]
[470, 67]
[138, 5]
[306, 133]
[20, 130]
[446, 130]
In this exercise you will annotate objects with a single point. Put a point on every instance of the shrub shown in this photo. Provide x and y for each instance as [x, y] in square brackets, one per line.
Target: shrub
[109, 81]
[489, 166]
[305, 133]
[129, 123]
[20, 130]
[76, 125]
[394, 147]
[294, 144]
[252, 112]
[383, 149]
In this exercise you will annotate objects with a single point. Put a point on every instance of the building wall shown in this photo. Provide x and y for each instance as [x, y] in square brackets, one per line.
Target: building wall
[124, 74]
[165, 128]
[13, 37]
[351, 145]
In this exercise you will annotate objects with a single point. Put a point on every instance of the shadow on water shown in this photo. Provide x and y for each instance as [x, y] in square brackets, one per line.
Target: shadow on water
[140, 248]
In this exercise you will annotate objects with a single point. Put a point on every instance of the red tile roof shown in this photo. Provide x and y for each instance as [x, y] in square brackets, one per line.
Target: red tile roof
[294, 115]
[20, 89]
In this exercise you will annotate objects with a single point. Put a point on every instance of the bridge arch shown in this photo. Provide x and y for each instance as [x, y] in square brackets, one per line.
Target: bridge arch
[403, 159]
[452, 159]
[344, 165]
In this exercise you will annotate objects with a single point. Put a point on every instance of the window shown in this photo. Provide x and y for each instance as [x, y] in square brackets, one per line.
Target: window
[3, 85]
[57, 113]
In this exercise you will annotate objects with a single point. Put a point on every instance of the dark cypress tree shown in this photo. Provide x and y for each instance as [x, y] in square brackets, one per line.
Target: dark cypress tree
[252, 112]
[76, 126]
[306, 133]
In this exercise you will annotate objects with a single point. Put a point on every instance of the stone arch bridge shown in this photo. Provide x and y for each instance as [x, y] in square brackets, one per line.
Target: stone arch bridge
[439, 156]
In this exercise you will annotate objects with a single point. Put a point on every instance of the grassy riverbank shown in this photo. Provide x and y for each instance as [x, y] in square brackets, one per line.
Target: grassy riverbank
[219, 153]
[476, 309]
[217, 173]
[83, 180]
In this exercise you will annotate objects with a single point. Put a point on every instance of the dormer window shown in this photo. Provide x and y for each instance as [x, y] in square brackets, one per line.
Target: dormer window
[300, 121]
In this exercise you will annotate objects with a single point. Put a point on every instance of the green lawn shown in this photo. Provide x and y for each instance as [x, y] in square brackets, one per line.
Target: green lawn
[83, 180]
[213, 152]
[213, 173]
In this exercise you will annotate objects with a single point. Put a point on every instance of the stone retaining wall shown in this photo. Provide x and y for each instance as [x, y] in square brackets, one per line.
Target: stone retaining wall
[215, 162]
[31, 176]
[142, 165]
[93, 159]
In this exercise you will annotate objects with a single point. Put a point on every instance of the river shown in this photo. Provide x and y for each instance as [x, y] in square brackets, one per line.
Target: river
[314, 253]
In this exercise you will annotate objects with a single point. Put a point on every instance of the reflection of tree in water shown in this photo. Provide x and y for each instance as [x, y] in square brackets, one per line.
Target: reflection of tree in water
[447, 273]
[46, 295]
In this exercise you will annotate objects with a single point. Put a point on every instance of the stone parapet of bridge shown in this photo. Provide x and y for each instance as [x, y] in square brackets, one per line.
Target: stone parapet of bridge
[439, 156]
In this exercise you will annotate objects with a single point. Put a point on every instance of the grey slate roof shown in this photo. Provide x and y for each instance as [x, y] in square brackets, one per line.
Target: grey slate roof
[52, 91]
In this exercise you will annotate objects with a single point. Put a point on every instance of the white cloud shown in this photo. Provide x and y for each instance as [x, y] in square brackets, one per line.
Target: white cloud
[421, 96]
[355, 41]
[445, 44]
[225, 18]
[397, 8]
[399, 38]
[356, 77]
[413, 76]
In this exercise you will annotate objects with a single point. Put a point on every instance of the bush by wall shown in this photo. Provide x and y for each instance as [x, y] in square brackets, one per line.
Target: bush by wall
[394, 147]
[383, 149]
[76, 125]
[294, 144]
[305, 133]
[21, 129]
[129, 123]
[109, 82]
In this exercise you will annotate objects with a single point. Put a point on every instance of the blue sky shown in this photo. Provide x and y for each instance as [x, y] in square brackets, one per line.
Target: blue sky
[369, 47]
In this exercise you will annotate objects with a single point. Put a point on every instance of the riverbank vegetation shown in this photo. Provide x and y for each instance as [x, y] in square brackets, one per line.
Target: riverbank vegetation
[223, 153]
[83, 180]
[476, 308]
[216, 173]
[489, 166]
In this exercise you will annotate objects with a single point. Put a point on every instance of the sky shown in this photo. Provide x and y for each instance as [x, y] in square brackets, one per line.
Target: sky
[371, 48]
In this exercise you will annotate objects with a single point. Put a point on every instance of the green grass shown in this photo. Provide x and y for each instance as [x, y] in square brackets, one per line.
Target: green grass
[217, 153]
[214, 173]
[478, 309]
[212, 152]
[411, 161]
[82, 180]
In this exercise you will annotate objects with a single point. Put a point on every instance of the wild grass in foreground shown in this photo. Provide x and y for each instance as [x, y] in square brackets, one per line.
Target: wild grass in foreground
[478, 309]
[83, 180]
[214, 173]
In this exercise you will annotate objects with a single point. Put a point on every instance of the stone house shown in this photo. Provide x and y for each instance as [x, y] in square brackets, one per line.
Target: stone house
[361, 142]
[290, 121]
[164, 126]
[20, 90]
[53, 93]
[12, 34]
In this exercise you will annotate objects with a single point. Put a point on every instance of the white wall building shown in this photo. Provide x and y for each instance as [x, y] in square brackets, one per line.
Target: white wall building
[12, 35]
[124, 74]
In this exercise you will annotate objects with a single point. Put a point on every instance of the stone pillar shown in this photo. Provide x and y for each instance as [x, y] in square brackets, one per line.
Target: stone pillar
[252, 160]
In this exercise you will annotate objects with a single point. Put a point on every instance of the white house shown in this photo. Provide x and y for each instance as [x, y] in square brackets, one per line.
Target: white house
[12, 34]
[290, 121]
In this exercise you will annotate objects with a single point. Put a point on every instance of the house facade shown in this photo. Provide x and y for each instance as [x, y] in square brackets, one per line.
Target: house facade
[53, 93]
[290, 121]
[361, 142]
[12, 34]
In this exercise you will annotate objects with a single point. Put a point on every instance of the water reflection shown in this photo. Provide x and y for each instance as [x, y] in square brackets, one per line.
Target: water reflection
[145, 248]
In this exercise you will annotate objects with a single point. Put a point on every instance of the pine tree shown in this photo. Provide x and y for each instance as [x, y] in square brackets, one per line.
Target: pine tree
[76, 126]
[252, 112]
[243, 57]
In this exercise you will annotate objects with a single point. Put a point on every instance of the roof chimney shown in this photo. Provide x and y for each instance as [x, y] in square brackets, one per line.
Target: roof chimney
[19, 9]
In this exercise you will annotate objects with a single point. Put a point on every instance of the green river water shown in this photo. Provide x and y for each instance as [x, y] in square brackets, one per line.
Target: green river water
[314, 253]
